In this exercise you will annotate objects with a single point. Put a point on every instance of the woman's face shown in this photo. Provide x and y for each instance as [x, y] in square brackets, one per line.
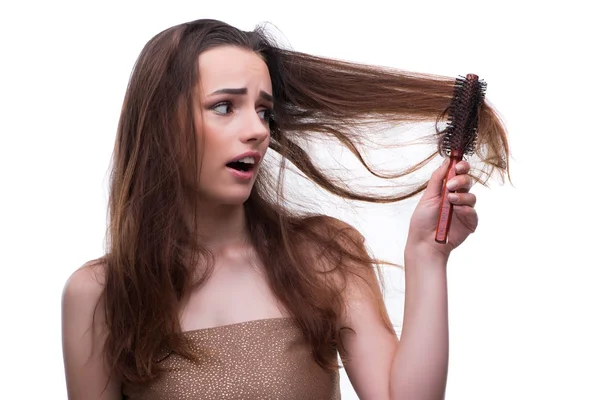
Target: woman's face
[232, 122]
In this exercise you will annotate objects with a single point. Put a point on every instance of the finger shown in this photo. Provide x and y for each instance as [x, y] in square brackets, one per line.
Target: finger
[462, 199]
[467, 216]
[436, 182]
[463, 167]
[460, 183]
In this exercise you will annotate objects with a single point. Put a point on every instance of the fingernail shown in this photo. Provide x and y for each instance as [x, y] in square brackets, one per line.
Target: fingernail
[451, 185]
[452, 197]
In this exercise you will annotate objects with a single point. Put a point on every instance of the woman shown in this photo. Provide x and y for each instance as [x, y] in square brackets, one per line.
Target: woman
[212, 287]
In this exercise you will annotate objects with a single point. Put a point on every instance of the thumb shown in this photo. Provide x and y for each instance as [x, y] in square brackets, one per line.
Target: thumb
[436, 182]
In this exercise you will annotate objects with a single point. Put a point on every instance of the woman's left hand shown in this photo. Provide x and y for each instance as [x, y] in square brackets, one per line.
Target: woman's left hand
[424, 220]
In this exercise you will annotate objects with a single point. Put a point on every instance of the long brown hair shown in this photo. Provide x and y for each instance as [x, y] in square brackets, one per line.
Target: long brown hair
[152, 254]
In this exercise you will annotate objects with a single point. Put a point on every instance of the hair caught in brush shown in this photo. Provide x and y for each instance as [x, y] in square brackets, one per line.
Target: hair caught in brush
[459, 139]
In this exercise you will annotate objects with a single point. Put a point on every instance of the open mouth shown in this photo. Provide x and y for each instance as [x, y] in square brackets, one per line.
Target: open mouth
[244, 165]
[241, 166]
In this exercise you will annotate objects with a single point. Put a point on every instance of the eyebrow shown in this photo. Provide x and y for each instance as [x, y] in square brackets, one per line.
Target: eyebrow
[242, 91]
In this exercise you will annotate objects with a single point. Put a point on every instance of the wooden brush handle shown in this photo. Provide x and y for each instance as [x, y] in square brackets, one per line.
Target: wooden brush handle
[445, 216]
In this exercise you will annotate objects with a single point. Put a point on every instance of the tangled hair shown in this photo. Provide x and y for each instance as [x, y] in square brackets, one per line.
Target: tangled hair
[152, 251]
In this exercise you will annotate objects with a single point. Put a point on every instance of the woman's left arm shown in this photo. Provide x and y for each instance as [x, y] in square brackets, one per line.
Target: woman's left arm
[415, 367]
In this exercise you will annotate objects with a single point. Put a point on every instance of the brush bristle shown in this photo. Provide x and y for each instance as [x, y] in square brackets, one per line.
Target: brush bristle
[463, 114]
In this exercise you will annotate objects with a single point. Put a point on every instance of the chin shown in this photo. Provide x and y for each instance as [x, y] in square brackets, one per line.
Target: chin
[237, 196]
[234, 201]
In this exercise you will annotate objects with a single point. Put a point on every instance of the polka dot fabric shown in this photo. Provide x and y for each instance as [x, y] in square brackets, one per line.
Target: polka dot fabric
[261, 359]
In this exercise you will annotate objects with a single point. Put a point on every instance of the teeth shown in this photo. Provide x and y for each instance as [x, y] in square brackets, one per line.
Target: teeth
[247, 160]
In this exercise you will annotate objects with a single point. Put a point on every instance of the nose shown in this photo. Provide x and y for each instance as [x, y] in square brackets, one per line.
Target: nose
[255, 129]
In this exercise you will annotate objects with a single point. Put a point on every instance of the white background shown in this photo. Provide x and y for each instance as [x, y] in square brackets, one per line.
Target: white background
[524, 295]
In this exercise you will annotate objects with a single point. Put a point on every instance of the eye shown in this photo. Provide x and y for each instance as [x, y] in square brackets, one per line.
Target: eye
[222, 108]
[266, 114]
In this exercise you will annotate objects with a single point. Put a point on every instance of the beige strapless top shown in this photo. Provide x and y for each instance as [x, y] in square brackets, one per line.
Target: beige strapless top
[261, 359]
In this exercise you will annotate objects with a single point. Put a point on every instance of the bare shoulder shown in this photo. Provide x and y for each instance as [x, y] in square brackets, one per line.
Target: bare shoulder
[82, 293]
[335, 229]
[86, 283]
[84, 334]
[338, 249]
[342, 249]
[329, 222]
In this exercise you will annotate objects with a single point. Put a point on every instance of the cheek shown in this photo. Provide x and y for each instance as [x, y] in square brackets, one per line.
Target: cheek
[210, 148]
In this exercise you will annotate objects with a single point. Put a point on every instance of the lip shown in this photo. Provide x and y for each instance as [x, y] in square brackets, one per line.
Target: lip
[254, 154]
[245, 175]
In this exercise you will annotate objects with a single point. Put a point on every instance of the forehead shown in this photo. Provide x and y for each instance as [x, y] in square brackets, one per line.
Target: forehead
[233, 67]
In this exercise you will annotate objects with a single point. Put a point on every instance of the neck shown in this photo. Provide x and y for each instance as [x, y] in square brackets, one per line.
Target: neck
[221, 226]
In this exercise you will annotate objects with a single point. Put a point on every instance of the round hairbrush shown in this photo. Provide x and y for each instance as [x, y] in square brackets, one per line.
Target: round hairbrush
[458, 139]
